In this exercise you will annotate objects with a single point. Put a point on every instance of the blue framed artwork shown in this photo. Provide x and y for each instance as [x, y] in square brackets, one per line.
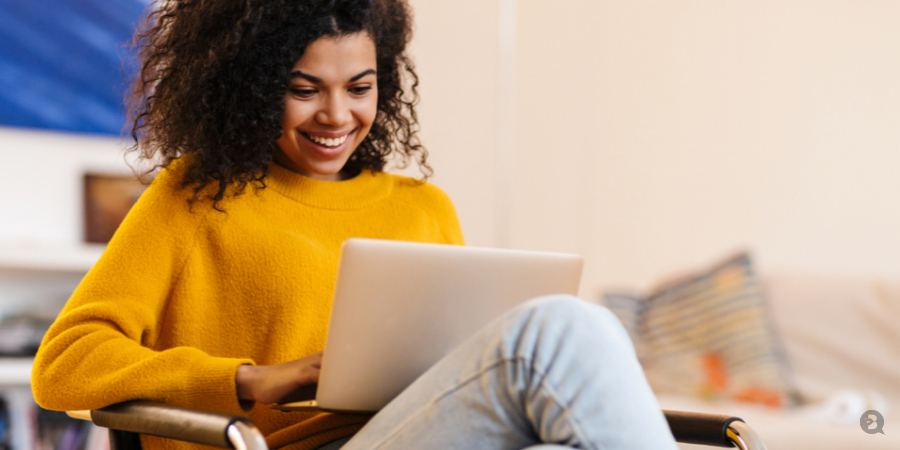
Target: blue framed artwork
[64, 64]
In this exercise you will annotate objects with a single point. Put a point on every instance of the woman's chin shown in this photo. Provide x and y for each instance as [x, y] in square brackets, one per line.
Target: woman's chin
[326, 170]
[318, 173]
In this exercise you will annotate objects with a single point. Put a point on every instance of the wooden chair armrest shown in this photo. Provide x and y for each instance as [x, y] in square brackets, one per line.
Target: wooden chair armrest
[184, 424]
[84, 414]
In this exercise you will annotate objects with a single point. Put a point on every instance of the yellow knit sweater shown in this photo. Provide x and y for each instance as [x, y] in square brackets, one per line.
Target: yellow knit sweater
[182, 297]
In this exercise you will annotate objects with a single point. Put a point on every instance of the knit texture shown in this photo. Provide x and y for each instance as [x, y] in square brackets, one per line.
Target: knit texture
[184, 295]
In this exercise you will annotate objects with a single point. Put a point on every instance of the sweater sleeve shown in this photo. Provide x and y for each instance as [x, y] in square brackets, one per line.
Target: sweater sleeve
[442, 210]
[99, 350]
[450, 225]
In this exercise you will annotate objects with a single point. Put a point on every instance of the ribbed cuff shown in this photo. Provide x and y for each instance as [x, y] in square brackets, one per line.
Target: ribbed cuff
[212, 387]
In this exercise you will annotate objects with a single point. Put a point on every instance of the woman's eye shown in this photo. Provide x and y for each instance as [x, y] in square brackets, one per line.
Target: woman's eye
[359, 90]
[302, 92]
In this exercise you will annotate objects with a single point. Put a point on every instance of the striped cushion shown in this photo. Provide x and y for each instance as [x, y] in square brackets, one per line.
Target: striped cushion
[709, 336]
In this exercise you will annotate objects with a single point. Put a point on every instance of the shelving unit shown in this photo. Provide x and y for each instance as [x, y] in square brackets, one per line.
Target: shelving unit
[78, 258]
[15, 371]
[39, 279]
[35, 280]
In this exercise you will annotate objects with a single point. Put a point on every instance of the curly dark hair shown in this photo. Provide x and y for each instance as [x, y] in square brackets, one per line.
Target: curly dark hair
[214, 74]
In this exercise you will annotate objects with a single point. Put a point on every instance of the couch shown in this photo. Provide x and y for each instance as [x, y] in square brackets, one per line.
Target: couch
[841, 337]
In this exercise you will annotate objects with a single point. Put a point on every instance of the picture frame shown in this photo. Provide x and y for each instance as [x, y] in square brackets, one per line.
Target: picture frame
[107, 200]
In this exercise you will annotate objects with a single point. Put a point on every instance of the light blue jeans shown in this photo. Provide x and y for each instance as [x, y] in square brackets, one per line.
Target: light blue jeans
[555, 372]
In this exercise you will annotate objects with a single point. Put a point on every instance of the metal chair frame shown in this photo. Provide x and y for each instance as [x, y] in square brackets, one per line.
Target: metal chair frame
[126, 421]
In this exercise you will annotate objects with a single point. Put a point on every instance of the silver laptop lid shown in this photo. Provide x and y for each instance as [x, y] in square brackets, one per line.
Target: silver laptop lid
[399, 307]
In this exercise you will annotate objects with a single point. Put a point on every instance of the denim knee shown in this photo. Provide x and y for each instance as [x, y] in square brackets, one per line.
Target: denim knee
[568, 311]
[568, 307]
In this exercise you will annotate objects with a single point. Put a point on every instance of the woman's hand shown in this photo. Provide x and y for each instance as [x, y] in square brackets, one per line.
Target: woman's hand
[279, 383]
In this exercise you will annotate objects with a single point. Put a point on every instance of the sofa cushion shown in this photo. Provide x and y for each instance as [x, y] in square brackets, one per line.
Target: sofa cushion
[709, 335]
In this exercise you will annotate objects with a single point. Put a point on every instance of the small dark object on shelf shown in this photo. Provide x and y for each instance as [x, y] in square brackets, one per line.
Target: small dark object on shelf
[21, 335]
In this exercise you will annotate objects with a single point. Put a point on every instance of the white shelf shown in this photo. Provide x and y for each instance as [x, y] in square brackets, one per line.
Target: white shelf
[15, 371]
[62, 258]
[37, 278]
[41, 275]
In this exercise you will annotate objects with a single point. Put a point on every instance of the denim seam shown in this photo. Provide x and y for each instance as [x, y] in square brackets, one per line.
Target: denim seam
[553, 396]
[576, 428]
[438, 397]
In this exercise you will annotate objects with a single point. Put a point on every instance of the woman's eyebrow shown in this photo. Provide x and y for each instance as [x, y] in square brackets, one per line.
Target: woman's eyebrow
[317, 80]
[311, 78]
[362, 74]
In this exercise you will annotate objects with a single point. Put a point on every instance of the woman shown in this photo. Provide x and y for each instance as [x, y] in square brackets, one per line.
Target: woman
[217, 297]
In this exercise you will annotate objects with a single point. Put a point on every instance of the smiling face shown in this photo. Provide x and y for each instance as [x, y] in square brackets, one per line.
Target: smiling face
[331, 102]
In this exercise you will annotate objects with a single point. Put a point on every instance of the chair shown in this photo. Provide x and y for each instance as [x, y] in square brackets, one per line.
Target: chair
[129, 419]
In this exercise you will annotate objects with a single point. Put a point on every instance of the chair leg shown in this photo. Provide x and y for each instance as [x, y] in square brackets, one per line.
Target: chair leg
[124, 440]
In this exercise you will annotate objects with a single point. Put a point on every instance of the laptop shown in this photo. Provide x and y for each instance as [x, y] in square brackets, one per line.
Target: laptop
[399, 307]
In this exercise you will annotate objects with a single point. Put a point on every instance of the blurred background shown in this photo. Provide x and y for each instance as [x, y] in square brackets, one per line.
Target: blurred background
[652, 137]
[645, 135]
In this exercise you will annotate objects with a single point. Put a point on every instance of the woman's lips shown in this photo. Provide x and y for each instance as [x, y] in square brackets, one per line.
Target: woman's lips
[325, 150]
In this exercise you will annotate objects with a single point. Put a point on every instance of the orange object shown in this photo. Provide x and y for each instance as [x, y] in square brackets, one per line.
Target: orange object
[761, 396]
[715, 372]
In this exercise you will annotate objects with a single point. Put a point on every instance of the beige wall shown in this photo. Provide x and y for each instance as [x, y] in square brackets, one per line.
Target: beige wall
[654, 135]
[455, 50]
[650, 135]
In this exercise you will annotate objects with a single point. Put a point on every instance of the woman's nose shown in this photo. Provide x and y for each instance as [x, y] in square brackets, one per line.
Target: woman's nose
[335, 112]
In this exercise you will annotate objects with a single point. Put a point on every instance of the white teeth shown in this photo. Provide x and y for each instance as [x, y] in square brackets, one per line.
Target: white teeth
[328, 142]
